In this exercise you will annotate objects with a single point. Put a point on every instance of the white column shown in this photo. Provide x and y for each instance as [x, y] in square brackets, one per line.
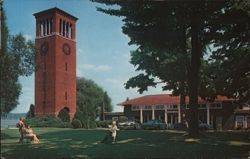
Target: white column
[208, 113]
[70, 36]
[153, 113]
[141, 115]
[179, 113]
[235, 122]
[245, 122]
[45, 25]
[166, 115]
[49, 26]
[41, 28]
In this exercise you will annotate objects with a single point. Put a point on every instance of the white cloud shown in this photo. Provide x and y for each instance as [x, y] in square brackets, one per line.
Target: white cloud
[95, 67]
[79, 51]
[112, 81]
[28, 37]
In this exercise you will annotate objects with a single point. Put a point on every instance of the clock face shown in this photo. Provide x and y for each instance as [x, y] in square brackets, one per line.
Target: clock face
[44, 48]
[66, 49]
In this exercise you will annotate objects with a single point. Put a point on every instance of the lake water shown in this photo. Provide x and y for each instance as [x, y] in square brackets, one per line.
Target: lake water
[9, 123]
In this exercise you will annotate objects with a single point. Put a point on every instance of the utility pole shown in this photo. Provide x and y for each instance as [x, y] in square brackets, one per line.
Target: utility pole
[103, 110]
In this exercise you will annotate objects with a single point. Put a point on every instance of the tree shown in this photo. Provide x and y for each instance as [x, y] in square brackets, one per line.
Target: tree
[64, 114]
[161, 30]
[90, 99]
[31, 112]
[16, 59]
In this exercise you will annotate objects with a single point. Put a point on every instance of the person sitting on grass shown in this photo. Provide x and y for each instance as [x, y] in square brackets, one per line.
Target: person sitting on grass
[111, 133]
[32, 135]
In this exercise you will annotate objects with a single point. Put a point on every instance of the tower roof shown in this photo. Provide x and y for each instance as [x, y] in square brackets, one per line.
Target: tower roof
[55, 9]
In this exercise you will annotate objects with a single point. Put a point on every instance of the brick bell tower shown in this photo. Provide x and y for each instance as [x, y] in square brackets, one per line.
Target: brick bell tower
[55, 77]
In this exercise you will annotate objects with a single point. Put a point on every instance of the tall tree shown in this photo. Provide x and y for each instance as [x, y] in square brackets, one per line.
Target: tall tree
[200, 21]
[229, 67]
[90, 98]
[16, 59]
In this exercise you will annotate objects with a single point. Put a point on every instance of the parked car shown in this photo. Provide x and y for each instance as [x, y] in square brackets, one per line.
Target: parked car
[180, 126]
[204, 126]
[127, 125]
[153, 124]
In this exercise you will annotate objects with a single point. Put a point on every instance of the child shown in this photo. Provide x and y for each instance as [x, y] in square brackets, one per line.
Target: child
[111, 133]
[113, 130]
[30, 133]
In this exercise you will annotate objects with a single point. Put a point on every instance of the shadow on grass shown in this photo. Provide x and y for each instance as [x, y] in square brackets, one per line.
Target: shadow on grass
[79, 143]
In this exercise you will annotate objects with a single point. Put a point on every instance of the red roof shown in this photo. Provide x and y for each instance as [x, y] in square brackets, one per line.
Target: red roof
[165, 99]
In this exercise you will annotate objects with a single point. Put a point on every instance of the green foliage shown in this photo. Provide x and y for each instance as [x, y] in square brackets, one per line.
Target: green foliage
[122, 119]
[86, 121]
[16, 59]
[90, 99]
[76, 123]
[103, 124]
[74, 143]
[64, 115]
[31, 112]
[46, 121]
[162, 32]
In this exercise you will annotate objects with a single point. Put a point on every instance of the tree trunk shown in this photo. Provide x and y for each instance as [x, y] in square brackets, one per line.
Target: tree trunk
[193, 79]
[182, 98]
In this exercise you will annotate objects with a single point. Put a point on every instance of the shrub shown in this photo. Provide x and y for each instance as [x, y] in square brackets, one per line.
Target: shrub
[64, 115]
[86, 121]
[76, 123]
[103, 124]
[31, 112]
[46, 121]
[123, 119]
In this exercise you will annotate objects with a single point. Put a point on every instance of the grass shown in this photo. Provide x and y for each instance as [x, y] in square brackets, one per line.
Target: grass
[80, 143]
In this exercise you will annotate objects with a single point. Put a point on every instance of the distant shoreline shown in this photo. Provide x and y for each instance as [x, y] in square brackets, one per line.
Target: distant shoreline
[11, 119]
[9, 123]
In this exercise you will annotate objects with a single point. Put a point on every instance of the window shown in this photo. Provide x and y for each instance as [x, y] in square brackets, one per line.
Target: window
[216, 105]
[172, 106]
[175, 106]
[66, 66]
[159, 107]
[60, 27]
[51, 24]
[134, 108]
[147, 107]
[66, 96]
[67, 29]
[202, 106]
[70, 31]
[239, 121]
[115, 118]
[45, 27]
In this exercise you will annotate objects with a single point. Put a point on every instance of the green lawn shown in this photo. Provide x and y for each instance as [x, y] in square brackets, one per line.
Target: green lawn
[80, 143]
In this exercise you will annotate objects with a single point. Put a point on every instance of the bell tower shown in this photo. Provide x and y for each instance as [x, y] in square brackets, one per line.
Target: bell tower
[55, 76]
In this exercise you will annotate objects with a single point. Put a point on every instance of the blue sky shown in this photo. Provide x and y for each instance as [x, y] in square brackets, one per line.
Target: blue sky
[103, 52]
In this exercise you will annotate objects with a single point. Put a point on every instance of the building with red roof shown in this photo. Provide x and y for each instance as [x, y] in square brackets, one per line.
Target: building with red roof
[164, 107]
